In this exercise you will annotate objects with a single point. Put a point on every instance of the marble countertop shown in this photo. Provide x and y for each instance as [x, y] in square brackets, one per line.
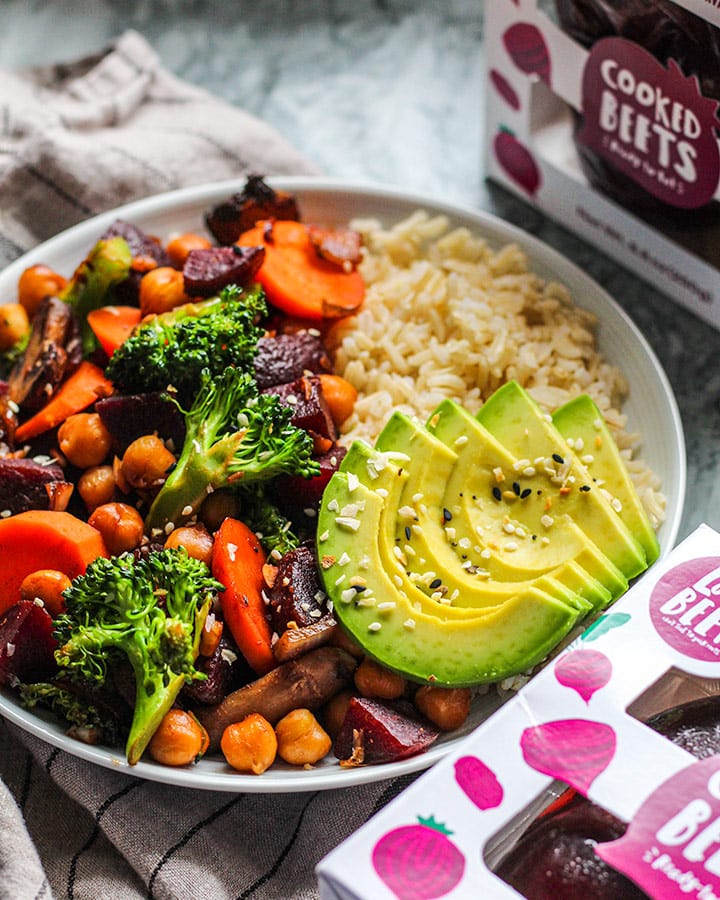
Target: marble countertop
[389, 91]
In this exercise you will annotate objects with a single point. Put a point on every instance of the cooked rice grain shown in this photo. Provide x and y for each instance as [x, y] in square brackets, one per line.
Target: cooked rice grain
[446, 316]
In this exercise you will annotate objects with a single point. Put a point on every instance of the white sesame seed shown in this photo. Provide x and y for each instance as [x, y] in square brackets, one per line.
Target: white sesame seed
[465, 543]
[386, 605]
[546, 521]
[407, 512]
[398, 581]
[588, 459]
[597, 424]
[409, 550]
[275, 553]
[579, 444]
[508, 528]
[348, 522]
[510, 546]
[409, 624]
[339, 580]
[374, 626]
[416, 498]
[6, 513]
[616, 504]
[462, 440]
[381, 492]
[529, 471]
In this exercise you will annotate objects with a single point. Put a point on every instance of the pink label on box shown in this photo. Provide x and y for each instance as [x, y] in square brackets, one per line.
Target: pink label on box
[672, 846]
[685, 608]
[651, 123]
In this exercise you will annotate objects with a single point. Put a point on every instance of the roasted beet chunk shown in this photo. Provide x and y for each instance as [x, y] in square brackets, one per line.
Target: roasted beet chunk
[225, 671]
[375, 732]
[147, 252]
[26, 484]
[207, 271]
[27, 645]
[337, 245]
[131, 416]
[310, 410]
[53, 352]
[228, 220]
[296, 593]
[286, 357]
[296, 494]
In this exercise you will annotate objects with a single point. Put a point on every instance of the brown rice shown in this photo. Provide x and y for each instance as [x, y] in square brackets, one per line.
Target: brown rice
[446, 316]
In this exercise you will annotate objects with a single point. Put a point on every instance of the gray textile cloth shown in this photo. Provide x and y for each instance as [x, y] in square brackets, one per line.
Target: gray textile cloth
[75, 140]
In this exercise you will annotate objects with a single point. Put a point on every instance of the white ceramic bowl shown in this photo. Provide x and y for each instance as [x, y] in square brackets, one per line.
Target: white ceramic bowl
[651, 410]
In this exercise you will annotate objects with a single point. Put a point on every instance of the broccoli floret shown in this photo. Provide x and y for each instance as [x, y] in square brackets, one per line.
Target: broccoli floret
[173, 348]
[86, 717]
[274, 530]
[235, 436]
[149, 611]
[107, 264]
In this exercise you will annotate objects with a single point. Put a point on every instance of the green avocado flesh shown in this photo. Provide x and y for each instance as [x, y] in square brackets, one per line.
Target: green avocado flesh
[420, 646]
[454, 555]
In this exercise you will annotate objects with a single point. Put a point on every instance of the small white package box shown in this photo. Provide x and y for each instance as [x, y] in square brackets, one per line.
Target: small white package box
[588, 119]
[578, 722]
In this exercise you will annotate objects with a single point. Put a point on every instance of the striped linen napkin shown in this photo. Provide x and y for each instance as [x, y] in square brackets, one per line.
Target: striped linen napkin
[75, 140]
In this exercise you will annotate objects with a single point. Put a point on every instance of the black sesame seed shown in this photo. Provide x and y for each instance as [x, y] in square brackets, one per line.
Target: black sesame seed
[534, 537]
[171, 468]
[558, 458]
[408, 533]
[359, 588]
[516, 488]
[497, 493]
[447, 515]
[525, 493]
[585, 487]
[435, 584]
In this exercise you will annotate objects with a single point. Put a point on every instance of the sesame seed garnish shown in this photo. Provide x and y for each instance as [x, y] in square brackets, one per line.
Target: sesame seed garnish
[579, 444]
[407, 512]
[597, 424]
[386, 605]
[409, 624]
[349, 522]
[497, 493]
[5, 514]
[510, 546]
[516, 488]
[358, 581]
[374, 626]
[616, 504]
[558, 459]
[508, 528]
[585, 488]
[364, 562]
[529, 472]
[461, 441]
[417, 497]
[276, 554]
[447, 515]
[408, 532]
[547, 521]
[398, 580]
[486, 553]
[409, 550]
[588, 459]
[499, 474]
[465, 543]
[169, 528]
[13, 407]
[524, 494]
[435, 584]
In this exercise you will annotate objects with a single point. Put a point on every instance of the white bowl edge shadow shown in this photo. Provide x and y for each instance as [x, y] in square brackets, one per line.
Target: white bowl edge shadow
[651, 408]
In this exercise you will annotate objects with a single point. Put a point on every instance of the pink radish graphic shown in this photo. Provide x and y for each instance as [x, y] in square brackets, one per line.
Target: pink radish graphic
[574, 750]
[504, 89]
[478, 782]
[585, 671]
[517, 161]
[528, 50]
[418, 862]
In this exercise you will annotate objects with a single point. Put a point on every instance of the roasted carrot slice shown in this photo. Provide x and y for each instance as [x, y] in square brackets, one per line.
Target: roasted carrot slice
[237, 563]
[43, 539]
[297, 279]
[113, 325]
[83, 387]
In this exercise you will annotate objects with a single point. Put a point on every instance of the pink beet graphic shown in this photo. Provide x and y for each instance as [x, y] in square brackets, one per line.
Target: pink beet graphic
[418, 862]
[504, 89]
[517, 161]
[574, 750]
[527, 48]
[478, 782]
[585, 671]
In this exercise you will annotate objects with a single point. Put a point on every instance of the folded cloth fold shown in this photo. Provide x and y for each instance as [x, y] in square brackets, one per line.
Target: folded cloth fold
[76, 139]
[79, 138]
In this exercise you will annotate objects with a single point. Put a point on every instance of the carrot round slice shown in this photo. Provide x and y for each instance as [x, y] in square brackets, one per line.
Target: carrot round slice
[43, 539]
[296, 279]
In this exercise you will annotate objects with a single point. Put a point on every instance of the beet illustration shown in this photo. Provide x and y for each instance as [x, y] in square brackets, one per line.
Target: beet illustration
[504, 89]
[528, 50]
[418, 862]
[574, 750]
[517, 161]
[585, 671]
[478, 782]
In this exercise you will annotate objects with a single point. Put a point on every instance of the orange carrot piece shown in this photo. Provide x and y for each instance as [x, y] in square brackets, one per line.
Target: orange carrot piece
[113, 325]
[296, 279]
[43, 539]
[86, 384]
[237, 563]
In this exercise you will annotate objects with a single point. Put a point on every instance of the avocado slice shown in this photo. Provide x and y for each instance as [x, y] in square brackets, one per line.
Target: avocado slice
[455, 593]
[495, 499]
[424, 648]
[580, 421]
[518, 423]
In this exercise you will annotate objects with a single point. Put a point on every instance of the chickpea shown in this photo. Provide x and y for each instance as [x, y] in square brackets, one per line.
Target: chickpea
[48, 586]
[121, 526]
[340, 396]
[217, 507]
[96, 486]
[373, 680]
[14, 324]
[179, 739]
[84, 440]
[177, 248]
[301, 739]
[195, 539]
[145, 463]
[333, 713]
[161, 290]
[35, 284]
[250, 745]
[445, 707]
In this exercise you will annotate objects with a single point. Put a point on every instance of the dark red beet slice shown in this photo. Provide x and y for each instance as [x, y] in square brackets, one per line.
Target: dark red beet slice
[295, 591]
[287, 357]
[130, 416]
[239, 213]
[374, 732]
[207, 271]
[305, 493]
[26, 484]
[27, 644]
[310, 410]
[225, 670]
